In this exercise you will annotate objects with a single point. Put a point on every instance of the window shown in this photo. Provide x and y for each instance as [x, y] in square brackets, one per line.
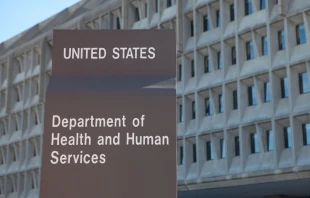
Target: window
[262, 4]
[193, 68]
[235, 100]
[233, 55]
[219, 60]
[304, 83]
[17, 94]
[193, 110]
[249, 50]
[145, 9]
[281, 40]
[181, 155]
[169, 3]
[284, 87]
[209, 150]
[287, 137]
[218, 18]
[248, 7]
[118, 24]
[252, 96]
[306, 133]
[208, 107]
[206, 25]
[194, 154]
[137, 14]
[269, 136]
[221, 109]
[180, 113]
[254, 143]
[192, 28]
[267, 92]
[222, 145]
[180, 72]
[232, 12]
[156, 6]
[264, 45]
[206, 64]
[237, 146]
[300, 34]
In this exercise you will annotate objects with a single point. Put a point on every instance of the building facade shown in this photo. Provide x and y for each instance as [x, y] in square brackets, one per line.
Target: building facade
[243, 92]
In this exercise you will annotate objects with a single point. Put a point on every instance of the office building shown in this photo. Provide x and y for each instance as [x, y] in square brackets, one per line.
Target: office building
[243, 92]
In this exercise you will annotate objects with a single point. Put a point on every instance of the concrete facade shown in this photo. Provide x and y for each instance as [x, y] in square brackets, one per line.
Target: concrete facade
[207, 135]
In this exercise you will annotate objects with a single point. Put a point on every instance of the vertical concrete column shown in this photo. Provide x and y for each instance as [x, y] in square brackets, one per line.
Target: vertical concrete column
[43, 65]
[10, 79]
[81, 24]
[282, 7]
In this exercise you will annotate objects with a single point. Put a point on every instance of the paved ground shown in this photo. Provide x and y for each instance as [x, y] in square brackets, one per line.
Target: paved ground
[295, 188]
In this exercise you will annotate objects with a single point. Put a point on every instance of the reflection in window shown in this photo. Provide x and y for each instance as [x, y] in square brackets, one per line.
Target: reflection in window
[254, 143]
[252, 96]
[269, 136]
[249, 50]
[287, 137]
[303, 83]
[306, 133]
[284, 87]
[281, 40]
[267, 92]
[209, 150]
[300, 34]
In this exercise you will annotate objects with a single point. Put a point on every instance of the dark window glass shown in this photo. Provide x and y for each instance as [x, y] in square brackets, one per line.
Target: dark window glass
[269, 136]
[219, 60]
[232, 12]
[221, 109]
[193, 68]
[248, 7]
[262, 4]
[249, 50]
[193, 110]
[235, 99]
[237, 146]
[169, 3]
[194, 153]
[209, 150]
[287, 137]
[254, 143]
[181, 113]
[233, 55]
[192, 28]
[137, 14]
[206, 64]
[300, 34]
[206, 25]
[281, 40]
[181, 155]
[267, 92]
[218, 18]
[303, 83]
[284, 87]
[145, 9]
[252, 96]
[264, 45]
[208, 107]
[156, 6]
[180, 72]
[118, 24]
[222, 144]
[306, 133]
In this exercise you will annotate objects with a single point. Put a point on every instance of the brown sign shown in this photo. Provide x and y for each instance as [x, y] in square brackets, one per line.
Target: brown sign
[110, 115]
